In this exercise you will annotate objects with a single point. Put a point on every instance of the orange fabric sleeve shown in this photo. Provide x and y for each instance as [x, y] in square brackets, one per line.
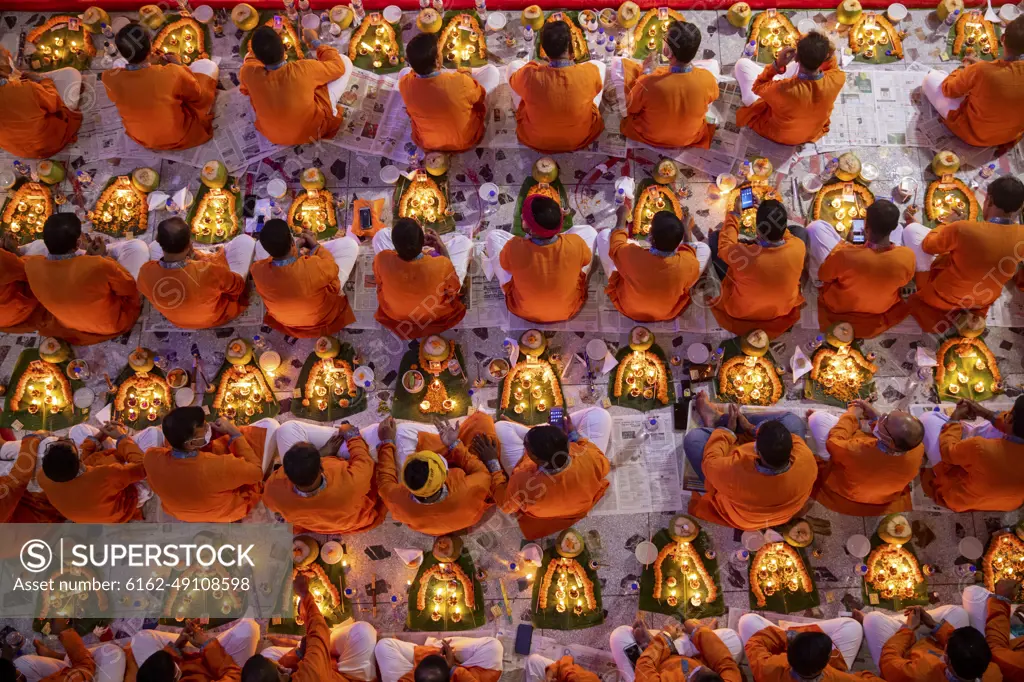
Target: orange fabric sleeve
[477, 473]
[222, 278]
[648, 666]
[997, 634]
[82, 663]
[566, 670]
[728, 239]
[717, 454]
[952, 448]
[941, 240]
[961, 81]
[360, 463]
[617, 243]
[387, 471]
[47, 96]
[120, 280]
[326, 67]
[893, 662]
[765, 82]
[841, 433]
[187, 87]
[944, 633]
[88, 448]
[317, 657]
[13, 485]
[832, 267]
[463, 674]
[242, 467]
[327, 268]
[636, 95]
[762, 647]
[128, 452]
[220, 663]
[716, 655]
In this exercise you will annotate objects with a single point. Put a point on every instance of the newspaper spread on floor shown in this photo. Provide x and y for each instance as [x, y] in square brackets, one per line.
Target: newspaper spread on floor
[645, 466]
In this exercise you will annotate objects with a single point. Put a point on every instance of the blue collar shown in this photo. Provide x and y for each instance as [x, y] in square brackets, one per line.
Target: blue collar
[544, 242]
[172, 265]
[312, 493]
[420, 256]
[66, 256]
[1000, 221]
[181, 454]
[1013, 439]
[816, 76]
[281, 262]
[433, 74]
[3, 81]
[761, 469]
[275, 67]
[663, 254]
[770, 244]
[136, 67]
[561, 63]
[685, 68]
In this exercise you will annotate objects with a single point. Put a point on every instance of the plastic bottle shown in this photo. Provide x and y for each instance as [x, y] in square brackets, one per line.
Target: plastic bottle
[750, 49]
[601, 37]
[106, 30]
[816, 343]
[528, 35]
[952, 17]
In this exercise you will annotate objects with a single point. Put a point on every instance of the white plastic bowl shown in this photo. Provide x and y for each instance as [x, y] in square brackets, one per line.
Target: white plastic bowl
[1008, 13]
[496, 21]
[392, 14]
[811, 183]
[389, 174]
[311, 21]
[896, 12]
[203, 14]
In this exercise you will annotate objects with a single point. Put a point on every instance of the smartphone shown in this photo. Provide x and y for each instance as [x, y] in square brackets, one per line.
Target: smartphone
[365, 219]
[633, 652]
[857, 232]
[556, 416]
[259, 223]
[681, 409]
[524, 638]
[747, 198]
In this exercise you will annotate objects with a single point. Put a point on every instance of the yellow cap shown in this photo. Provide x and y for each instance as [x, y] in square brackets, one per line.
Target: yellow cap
[437, 472]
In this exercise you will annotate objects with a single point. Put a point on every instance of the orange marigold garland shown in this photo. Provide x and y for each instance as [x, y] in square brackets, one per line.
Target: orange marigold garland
[873, 32]
[57, 392]
[971, 362]
[581, 592]
[777, 566]
[842, 372]
[972, 34]
[644, 373]
[332, 375]
[893, 572]
[328, 599]
[446, 573]
[242, 387]
[949, 206]
[749, 380]
[654, 199]
[1004, 558]
[56, 602]
[690, 563]
[523, 375]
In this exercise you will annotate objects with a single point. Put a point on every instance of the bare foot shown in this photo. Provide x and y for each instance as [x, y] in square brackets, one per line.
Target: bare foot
[706, 410]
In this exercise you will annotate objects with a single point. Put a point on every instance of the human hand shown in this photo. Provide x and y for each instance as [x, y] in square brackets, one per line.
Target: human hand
[485, 447]
[866, 408]
[309, 35]
[743, 424]
[690, 626]
[300, 585]
[673, 630]
[621, 215]
[926, 618]
[431, 238]
[308, 239]
[784, 58]
[567, 424]
[641, 634]
[59, 625]
[9, 243]
[182, 639]
[913, 615]
[386, 429]
[171, 58]
[448, 653]
[446, 431]
[95, 246]
[970, 59]
[1007, 588]
[197, 636]
[733, 417]
[225, 425]
[113, 430]
[333, 444]
[858, 616]
[962, 411]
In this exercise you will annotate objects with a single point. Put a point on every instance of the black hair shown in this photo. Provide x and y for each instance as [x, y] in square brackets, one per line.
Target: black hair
[432, 669]
[173, 235]
[968, 653]
[808, 652]
[159, 667]
[8, 673]
[421, 53]
[813, 50]
[882, 218]
[1007, 193]
[259, 669]
[415, 474]
[60, 463]
[1013, 34]
[133, 43]
[555, 39]
[267, 45]
[276, 238]
[180, 425]
[706, 674]
[666, 231]
[61, 232]
[547, 212]
[548, 444]
[772, 220]
[302, 464]
[774, 443]
[683, 40]
[1018, 416]
[407, 236]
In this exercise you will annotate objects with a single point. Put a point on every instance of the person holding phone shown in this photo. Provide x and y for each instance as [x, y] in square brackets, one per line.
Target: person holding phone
[696, 651]
[667, 106]
[453, 659]
[861, 283]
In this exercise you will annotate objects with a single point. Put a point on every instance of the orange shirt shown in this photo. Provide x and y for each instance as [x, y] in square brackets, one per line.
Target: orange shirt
[761, 289]
[447, 110]
[647, 287]
[740, 496]
[567, 670]
[303, 296]
[862, 285]
[194, 294]
[219, 484]
[105, 492]
[209, 664]
[861, 480]
[22, 506]
[904, 658]
[82, 667]
[347, 503]
[546, 502]
[469, 483]
[18, 307]
[658, 664]
[976, 474]
[291, 103]
[1006, 653]
[766, 654]
[668, 108]
[316, 664]
[557, 113]
[548, 283]
[794, 110]
[164, 106]
[34, 121]
[460, 673]
[992, 112]
[417, 298]
[92, 296]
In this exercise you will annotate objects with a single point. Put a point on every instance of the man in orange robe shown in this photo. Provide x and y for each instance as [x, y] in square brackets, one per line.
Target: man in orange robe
[447, 109]
[196, 289]
[163, 106]
[76, 663]
[209, 481]
[652, 284]
[974, 469]
[565, 669]
[25, 501]
[823, 651]
[20, 312]
[557, 102]
[319, 489]
[983, 102]
[91, 483]
[971, 261]
[761, 286]
[797, 109]
[860, 284]
[764, 482]
[441, 487]
[301, 281]
[195, 655]
[38, 113]
[459, 659]
[668, 107]
[295, 102]
[92, 297]
[562, 476]
[676, 649]
[419, 278]
[543, 275]
[866, 471]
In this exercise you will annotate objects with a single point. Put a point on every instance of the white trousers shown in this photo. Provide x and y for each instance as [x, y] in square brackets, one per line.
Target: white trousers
[395, 657]
[296, 431]
[239, 641]
[495, 241]
[131, 254]
[460, 249]
[344, 250]
[603, 244]
[746, 72]
[352, 645]
[68, 82]
[879, 626]
[846, 633]
[270, 444]
[975, 603]
[207, 67]
[149, 437]
[622, 638]
[913, 235]
[932, 88]
[488, 76]
[593, 423]
[819, 424]
[109, 658]
[824, 239]
[238, 252]
[336, 88]
[933, 423]
[536, 667]
[517, 64]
